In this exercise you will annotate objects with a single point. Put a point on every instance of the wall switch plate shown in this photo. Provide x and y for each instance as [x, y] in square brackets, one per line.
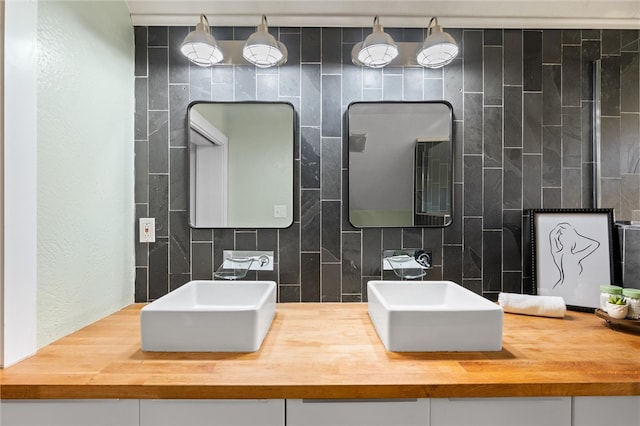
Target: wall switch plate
[147, 230]
[279, 211]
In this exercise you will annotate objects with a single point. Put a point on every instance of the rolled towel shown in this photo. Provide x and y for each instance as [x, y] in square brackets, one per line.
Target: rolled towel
[543, 306]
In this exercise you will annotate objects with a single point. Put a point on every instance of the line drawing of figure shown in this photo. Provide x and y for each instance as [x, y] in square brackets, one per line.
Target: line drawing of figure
[568, 249]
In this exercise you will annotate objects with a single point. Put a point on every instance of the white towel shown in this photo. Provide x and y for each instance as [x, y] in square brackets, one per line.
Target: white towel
[543, 306]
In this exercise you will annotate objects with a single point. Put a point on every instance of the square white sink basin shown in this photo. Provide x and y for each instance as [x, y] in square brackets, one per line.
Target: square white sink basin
[432, 316]
[210, 316]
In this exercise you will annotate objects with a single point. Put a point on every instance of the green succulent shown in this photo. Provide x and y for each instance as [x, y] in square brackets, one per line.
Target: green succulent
[617, 300]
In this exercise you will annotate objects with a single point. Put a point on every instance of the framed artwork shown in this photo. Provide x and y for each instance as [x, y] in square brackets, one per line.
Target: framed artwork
[571, 254]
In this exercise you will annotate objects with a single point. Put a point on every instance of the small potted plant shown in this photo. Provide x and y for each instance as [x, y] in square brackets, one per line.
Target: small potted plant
[617, 307]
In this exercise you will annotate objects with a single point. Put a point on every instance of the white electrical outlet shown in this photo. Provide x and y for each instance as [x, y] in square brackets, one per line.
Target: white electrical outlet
[279, 211]
[147, 230]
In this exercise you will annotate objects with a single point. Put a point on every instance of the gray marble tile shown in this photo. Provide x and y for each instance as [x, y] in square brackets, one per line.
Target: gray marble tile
[473, 123]
[452, 263]
[532, 129]
[330, 233]
[140, 116]
[453, 232]
[244, 83]
[493, 37]
[310, 45]
[289, 293]
[331, 282]
[492, 199]
[179, 246]
[159, 203]
[158, 142]
[630, 144]
[551, 95]
[267, 87]
[551, 198]
[452, 87]
[611, 42]
[178, 280]
[629, 82]
[472, 185]
[551, 156]
[492, 261]
[552, 46]
[309, 157]
[513, 57]
[492, 138]
[412, 238]
[513, 116]
[512, 240]
[391, 238]
[472, 252]
[140, 57]
[512, 282]
[531, 181]
[473, 50]
[610, 147]
[158, 78]
[141, 166]
[610, 91]
[246, 240]
[392, 87]
[331, 106]
[178, 63]
[572, 188]
[158, 36]
[590, 52]
[202, 261]
[178, 179]
[202, 235]
[571, 134]
[142, 249]
[512, 185]
[310, 220]
[158, 268]
[289, 255]
[331, 150]
[493, 75]
[351, 262]
[141, 293]
[571, 37]
[371, 251]
[178, 103]
[413, 84]
[532, 60]
[571, 75]
[630, 195]
[331, 52]
[310, 287]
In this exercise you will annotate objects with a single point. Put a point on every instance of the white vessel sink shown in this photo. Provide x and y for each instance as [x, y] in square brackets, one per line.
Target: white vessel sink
[210, 316]
[430, 316]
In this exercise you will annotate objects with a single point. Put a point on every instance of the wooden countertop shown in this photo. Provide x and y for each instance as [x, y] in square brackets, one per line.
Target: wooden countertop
[333, 351]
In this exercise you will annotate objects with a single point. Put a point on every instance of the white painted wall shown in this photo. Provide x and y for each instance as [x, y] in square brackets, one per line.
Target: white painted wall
[19, 144]
[85, 209]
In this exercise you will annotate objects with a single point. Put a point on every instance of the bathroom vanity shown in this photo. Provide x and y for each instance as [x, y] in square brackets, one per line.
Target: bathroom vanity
[326, 365]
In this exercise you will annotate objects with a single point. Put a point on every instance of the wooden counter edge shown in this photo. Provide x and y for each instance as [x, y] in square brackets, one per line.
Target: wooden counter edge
[13, 392]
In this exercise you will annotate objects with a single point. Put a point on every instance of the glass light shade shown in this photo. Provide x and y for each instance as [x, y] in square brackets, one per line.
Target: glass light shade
[378, 49]
[438, 49]
[263, 50]
[200, 47]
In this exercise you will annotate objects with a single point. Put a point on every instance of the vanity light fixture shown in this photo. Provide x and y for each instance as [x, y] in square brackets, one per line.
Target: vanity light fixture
[438, 49]
[377, 50]
[262, 49]
[200, 47]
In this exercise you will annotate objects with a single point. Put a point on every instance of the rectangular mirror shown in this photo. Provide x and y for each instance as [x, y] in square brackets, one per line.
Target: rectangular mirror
[400, 164]
[241, 164]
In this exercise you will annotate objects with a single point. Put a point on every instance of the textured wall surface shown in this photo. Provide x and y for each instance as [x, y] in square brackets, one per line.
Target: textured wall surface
[522, 105]
[85, 164]
[620, 132]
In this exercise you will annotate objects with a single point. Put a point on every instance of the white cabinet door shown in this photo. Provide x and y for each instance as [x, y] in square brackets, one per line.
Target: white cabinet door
[501, 411]
[123, 412]
[606, 410]
[212, 412]
[414, 412]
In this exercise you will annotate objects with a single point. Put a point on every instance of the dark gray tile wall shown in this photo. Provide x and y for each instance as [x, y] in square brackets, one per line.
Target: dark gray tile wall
[620, 126]
[522, 105]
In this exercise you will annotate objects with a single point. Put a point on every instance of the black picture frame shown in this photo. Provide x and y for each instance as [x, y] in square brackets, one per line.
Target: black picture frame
[571, 254]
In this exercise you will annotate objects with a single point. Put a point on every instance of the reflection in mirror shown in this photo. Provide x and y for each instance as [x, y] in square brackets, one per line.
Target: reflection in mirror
[241, 164]
[617, 132]
[400, 164]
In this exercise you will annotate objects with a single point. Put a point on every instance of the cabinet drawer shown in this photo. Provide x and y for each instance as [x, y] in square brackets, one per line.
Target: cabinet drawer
[606, 410]
[56, 412]
[414, 412]
[501, 411]
[203, 412]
